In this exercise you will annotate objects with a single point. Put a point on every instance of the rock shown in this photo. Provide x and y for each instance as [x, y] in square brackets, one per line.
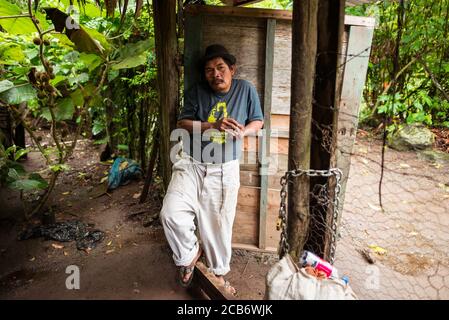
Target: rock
[411, 137]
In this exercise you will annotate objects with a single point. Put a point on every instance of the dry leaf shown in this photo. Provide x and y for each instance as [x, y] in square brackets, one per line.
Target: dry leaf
[375, 208]
[404, 165]
[365, 161]
[66, 253]
[378, 250]
[110, 251]
[66, 193]
[136, 195]
[57, 246]
[103, 179]
[33, 258]
[109, 243]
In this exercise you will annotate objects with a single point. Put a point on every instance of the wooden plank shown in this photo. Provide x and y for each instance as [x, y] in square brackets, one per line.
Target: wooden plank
[193, 33]
[254, 248]
[353, 82]
[279, 121]
[368, 22]
[266, 133]
[209, 283]
[247, 216]
[267, 13]
[245, 228]
[239, 12]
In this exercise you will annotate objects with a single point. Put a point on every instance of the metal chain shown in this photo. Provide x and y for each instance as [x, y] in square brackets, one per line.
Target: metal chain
[282, 219]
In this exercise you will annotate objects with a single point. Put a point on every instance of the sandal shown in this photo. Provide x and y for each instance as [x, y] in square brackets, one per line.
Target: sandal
[230, 289]
[183, 271]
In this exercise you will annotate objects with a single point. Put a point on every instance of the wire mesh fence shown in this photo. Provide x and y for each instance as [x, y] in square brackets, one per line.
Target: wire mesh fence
[398, 250]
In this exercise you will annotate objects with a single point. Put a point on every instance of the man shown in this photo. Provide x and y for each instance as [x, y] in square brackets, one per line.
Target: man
[217, 114]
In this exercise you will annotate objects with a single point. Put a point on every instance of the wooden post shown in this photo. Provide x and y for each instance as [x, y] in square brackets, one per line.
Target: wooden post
[304, 46]
[357, 52]
[265, 143]
[166, 52]
[324, 128]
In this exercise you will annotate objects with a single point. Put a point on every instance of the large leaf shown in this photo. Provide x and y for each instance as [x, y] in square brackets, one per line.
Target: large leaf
[16, 25]
[77, 97]
[91, 60]
[26, 185]
[134, 54]
[22, 25]
[18, 94]
[5, 85]
[11, 55]
[63, 111]
[130, 62]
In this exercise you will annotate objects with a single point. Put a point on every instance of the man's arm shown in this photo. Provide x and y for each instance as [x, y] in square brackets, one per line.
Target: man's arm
[187, 124]
[253, 127]
[223, 124]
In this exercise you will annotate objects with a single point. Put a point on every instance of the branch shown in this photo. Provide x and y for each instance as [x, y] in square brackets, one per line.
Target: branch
[433, 78]
[387, 88]
[30, 132]
[16, 16]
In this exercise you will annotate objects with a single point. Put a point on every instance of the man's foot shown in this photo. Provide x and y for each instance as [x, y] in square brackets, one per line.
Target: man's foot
[186, 272]
[226, 285]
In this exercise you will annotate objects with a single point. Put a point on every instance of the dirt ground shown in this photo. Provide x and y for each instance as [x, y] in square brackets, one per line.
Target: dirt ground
[134, 262]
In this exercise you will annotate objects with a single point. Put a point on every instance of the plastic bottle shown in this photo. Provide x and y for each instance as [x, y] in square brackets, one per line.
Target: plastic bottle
[345, 279]
[308, 258]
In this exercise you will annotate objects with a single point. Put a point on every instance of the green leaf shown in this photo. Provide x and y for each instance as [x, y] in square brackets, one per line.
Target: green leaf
[20, 153]
[12, 55]
[16, 25]
[122, 147]
[80, 78]
[91, 60]
[12, 173]
[112, 74]
[59, 167]
[57, 80]
[77, 97]
[130, 62]
[18, 94]
[97, 127]
[5, 85]
[134, 54]
[37, 177]
[64, 109]
[25, 185]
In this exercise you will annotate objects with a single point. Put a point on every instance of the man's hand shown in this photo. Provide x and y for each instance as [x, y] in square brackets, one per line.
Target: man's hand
[228, 125]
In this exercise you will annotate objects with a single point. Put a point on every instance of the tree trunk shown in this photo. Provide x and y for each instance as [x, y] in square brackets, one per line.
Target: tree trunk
[324, 128]
[166, 52]
[304, 46]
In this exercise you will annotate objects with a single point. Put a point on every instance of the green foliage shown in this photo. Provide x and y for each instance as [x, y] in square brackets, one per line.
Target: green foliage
[12, 173]
[413, 96]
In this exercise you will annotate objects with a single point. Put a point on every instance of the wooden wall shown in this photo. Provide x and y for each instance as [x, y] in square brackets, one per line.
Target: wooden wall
[261, 41]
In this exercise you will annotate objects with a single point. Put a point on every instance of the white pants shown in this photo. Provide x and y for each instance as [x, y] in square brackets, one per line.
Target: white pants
[208, 192]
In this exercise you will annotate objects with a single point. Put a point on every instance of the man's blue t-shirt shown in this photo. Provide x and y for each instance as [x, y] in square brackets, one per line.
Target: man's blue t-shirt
[201, 103]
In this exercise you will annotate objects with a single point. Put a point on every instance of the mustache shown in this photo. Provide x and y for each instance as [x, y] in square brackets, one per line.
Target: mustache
[217, 81]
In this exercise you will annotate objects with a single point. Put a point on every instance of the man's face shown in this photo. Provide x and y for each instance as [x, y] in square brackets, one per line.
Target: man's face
[219, 75]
